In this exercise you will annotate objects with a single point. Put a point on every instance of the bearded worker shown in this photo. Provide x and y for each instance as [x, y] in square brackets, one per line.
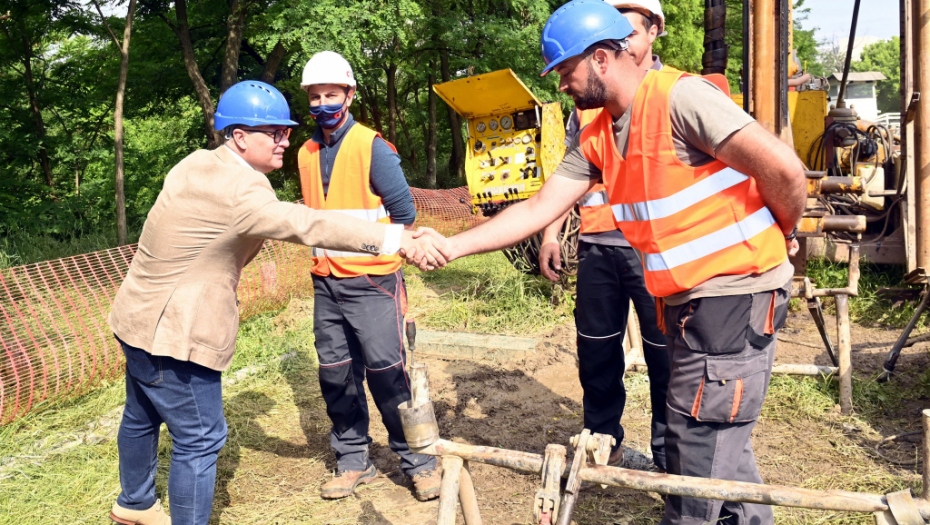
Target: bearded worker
[609, 276]
[709, 200]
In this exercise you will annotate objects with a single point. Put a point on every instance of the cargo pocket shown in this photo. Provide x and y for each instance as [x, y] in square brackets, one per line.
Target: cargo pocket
[716, 325]
[217, 320]
[732, 390]
[775, 306]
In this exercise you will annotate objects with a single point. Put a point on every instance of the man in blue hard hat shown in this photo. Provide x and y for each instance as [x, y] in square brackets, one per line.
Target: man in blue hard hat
[176, 314]
[610, 277]
[710, 201]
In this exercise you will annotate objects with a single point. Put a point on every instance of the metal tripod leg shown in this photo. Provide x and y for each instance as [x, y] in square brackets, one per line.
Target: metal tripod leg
[813, 306]
[902, 340]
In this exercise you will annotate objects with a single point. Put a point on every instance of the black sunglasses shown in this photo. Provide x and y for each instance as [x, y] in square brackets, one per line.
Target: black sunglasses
[278, 135]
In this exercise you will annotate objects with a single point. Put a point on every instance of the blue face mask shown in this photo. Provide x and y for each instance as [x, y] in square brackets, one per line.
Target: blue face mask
[328, 116]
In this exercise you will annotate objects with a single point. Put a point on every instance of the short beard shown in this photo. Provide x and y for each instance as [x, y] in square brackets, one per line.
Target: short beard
[594, 95]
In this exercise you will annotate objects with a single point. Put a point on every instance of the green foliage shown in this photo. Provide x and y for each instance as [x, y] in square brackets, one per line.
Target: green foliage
[884, 57]
[805, 43]
[868, 307]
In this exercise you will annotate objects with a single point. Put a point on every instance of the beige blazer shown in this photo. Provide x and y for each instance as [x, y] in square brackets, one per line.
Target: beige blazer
[209, 221]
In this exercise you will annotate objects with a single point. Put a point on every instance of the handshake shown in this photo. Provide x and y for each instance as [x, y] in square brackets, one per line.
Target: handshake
[426, 249]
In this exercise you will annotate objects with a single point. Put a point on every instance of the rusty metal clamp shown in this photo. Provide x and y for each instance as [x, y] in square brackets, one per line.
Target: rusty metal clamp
[598, 448]
[546, 504]
[573, 485]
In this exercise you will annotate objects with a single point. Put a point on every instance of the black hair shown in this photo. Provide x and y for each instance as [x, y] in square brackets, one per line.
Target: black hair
[648, 21]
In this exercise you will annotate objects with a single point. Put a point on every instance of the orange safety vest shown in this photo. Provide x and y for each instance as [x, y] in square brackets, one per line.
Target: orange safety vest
[349, 193]
[689, 223]
[596, 215]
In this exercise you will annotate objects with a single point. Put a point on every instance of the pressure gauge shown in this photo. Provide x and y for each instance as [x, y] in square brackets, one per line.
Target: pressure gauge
[480, 127]
[493, 125]
[506, 122]
[526, 139]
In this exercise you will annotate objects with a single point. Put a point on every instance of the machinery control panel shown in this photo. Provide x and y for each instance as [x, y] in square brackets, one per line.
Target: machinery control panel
[514, 141]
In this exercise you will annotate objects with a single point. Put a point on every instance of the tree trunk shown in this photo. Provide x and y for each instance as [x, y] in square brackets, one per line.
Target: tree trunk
[234, 22]
[392, 93]
[363, 111]
[272, 63]
[372, 96]
[431, 136]
[182, 30]
[34, 107]
[122, 231]
[457, 158]
[414, 159]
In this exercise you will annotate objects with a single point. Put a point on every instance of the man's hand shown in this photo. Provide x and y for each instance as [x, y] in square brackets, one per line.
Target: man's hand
[421, 248]
[550, 251]
[792, 247]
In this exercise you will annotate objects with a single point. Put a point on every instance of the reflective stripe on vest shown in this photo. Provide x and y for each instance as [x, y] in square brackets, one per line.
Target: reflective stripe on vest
[690, 224]
[349, 193]
[596, 216]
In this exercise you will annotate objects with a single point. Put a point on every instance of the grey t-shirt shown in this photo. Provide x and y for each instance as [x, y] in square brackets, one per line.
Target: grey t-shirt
[703, 117]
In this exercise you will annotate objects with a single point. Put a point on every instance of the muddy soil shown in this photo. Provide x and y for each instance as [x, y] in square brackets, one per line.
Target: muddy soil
[527, 404]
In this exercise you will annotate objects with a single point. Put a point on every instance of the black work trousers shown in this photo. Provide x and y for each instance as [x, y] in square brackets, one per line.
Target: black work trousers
[608, 277]
[358, 323]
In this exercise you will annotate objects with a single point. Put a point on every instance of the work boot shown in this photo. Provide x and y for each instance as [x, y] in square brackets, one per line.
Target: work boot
[628, 458]
[152, 516]
[426, 484]
[344, 482]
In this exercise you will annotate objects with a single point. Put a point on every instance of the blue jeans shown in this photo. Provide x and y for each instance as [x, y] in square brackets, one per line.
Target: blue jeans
[188, 398]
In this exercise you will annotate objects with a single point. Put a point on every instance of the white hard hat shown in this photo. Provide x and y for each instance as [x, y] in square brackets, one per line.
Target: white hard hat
[327, 67]
[652, 6]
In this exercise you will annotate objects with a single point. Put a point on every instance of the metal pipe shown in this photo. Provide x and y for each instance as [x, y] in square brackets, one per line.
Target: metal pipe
[449, 490]
[841, 99]
[468, 498]
[764, 63]
[844, 223]
[892, 359]
[922, 175]
[737, 491]
[845, 349]
[925, 454]
[842, 185]
[805, 370]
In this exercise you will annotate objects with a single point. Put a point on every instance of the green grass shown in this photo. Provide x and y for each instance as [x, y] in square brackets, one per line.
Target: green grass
[60, 464]
[484, 293]
[17, 250]
[869, 307]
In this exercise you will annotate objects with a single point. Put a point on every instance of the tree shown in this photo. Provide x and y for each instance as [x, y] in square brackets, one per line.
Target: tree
[884, 57]
[805, 43]
[122, 231]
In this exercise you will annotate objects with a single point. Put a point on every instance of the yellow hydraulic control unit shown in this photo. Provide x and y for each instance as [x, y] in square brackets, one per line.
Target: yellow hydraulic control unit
[514, 141]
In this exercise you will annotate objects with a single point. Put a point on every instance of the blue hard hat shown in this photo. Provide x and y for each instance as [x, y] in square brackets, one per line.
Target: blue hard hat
[252, 103]
[578, 25]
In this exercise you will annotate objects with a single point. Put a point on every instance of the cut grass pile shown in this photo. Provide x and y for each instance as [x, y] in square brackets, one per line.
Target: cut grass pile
[485, 294]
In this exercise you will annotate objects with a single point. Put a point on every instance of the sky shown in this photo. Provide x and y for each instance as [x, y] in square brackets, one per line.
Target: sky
[879, 18]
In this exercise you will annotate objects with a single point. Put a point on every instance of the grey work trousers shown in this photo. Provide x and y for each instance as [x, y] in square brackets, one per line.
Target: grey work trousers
[359, 323]
[721, 350]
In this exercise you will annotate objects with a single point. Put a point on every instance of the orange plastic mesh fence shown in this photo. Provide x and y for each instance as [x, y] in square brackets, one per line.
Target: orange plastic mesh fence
[54, 338]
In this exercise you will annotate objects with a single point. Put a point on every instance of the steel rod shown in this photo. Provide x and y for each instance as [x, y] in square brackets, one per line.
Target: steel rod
[449, 490]
[764, 63]
[805, 370]
[841, 100]
[737, 491]
[892, 359]
[922, 173]
[845, 349]
[468, 498]
[925, 454]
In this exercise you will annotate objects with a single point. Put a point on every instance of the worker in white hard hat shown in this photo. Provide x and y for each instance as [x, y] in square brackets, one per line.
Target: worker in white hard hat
[609, 277]
[359, 299]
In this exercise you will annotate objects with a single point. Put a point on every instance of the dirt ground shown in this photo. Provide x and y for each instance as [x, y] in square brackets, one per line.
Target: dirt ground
[281, 456]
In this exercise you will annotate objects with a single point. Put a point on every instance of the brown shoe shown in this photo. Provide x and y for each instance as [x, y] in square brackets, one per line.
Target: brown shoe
[426, 484]
[153, 516]
[345, 481]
